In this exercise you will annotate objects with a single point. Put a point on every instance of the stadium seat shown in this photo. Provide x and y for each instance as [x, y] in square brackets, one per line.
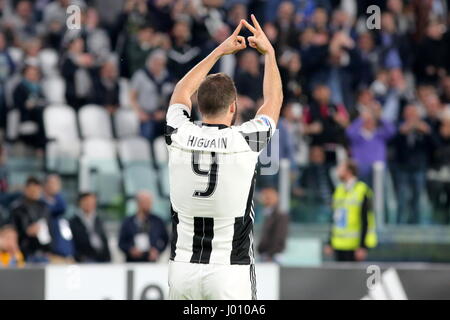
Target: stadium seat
[126, 123]
[48, 59]
[160, 151]
[124, 92]
[12, 124]
[138, 178]
[95, 122]
[15, 128]
[63, 149]
[163, 174]
[100, 172]
[134, 150]
[21, 167]
[10, 85]
[60, 122]
[54, 90]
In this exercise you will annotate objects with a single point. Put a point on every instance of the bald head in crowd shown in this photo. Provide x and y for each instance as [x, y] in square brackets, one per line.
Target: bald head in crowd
[144, 200]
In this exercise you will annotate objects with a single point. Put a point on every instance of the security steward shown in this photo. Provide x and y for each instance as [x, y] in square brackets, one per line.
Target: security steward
[353, 227]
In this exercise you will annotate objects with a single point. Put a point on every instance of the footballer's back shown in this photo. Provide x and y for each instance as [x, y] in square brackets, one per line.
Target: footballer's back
[211, 176]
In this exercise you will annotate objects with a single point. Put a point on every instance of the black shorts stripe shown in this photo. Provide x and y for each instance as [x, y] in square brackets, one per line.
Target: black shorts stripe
[202, 240]
[173, 243]
[243, 226]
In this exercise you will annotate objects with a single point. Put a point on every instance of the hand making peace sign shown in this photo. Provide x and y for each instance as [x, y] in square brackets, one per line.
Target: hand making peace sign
[233, 43]
[258, 41]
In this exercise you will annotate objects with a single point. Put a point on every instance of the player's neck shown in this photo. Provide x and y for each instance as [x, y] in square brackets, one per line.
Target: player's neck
[217, 121]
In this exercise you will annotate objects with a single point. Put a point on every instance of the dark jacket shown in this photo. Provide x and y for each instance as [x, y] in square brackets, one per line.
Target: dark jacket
[61, 245]
[106, 95]
[316, 184]
[412, 150]
[157, 233]
[25, 92]
[84, 251]
[274, 233]
[25, 212]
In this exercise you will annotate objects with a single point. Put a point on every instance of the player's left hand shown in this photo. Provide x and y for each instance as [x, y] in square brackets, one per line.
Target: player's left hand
[233, 43]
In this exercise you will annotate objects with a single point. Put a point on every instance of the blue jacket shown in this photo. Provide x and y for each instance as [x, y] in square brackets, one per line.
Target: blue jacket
[60, 246]
[158, 236]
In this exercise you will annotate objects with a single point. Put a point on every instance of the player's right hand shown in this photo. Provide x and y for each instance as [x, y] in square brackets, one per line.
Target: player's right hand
[259, 40]
[233, 43]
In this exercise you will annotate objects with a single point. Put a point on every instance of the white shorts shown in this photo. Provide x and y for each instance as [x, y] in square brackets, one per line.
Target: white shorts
[194, 281]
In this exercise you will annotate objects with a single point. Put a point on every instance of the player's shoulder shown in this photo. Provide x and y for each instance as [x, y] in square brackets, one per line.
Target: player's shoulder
[261, 123]
[257, 132]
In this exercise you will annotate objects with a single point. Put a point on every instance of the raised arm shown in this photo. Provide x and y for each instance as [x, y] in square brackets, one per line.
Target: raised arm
[189, 84]
[272, 87]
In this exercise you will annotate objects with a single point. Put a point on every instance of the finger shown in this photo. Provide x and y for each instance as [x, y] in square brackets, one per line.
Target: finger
[251, 39]
[241, 42]
[255, 22]
[249, 26]
[238, 29]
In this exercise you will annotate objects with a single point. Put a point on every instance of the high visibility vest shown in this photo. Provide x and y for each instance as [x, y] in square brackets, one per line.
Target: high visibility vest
[346, 230]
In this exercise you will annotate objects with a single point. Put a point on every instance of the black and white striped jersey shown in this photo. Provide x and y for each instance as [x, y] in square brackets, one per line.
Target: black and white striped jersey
[211, 176]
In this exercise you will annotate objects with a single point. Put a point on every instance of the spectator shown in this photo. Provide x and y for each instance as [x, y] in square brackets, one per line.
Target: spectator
[275, 227]
[226, 64]
[77, 67]
[140, 47]
[10, 255]
[143, 236]
[369, 58]
[291, 139]
[89, 236]
[368, 137]
[285, 25]
[249, 79]
[22, 23]
[183, 56]
[432, 54]
[445, 97]
[7, 68]
[54, 21]
[395, 97]
[62, 245]
[292, 77]
[32, 48]
[439, 189]
[411, 144]
[107, 87]
[3, 172]
[96, 39]
[325, 121]
[30, 216]
[393, 45]
[30, 101]
[7, 195]
[150, 90]
[315, 185]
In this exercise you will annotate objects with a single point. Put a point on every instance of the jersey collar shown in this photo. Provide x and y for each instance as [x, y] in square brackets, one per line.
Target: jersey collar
[220, 126]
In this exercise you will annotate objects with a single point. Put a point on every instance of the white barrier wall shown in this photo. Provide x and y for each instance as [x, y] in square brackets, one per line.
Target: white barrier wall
[132, 282]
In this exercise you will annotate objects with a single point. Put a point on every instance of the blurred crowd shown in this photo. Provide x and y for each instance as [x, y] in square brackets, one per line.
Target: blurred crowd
[37, 231]
[377, 95]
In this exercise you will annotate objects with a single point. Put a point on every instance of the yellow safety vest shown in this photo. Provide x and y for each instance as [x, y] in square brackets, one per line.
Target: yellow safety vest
[346, 230]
